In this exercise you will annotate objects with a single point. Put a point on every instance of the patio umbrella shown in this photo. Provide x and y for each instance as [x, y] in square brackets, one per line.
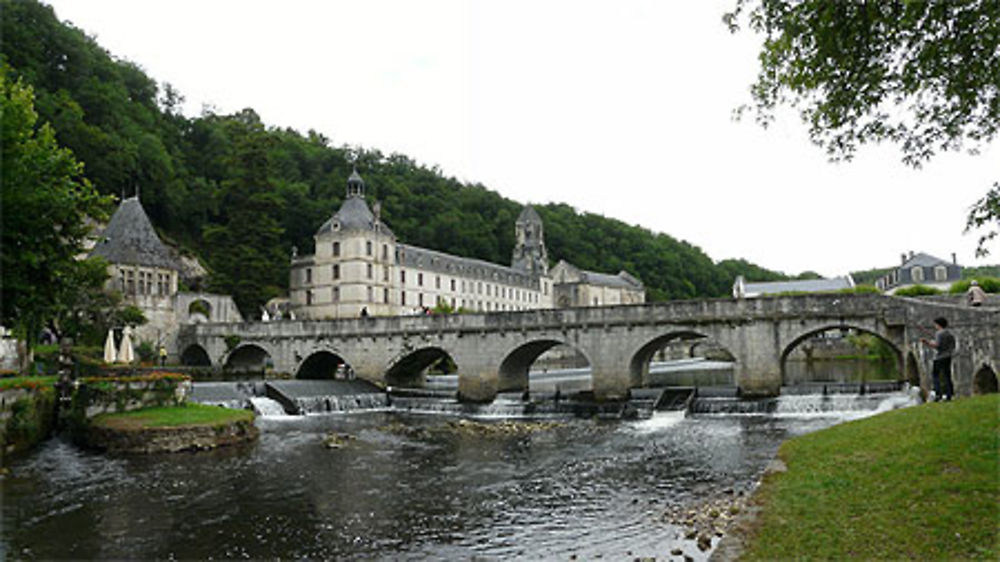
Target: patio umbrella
[109, 348]
[125, 354]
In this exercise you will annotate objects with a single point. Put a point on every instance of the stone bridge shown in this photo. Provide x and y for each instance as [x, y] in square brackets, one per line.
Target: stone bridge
[494, 351]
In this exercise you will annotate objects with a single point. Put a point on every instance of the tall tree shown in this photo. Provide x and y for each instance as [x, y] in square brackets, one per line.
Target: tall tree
[245, 250]
[922, 74]
[44, 206]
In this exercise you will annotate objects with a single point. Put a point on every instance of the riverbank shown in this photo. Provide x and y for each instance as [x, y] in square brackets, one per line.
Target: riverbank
[918, 483]
[171, 429]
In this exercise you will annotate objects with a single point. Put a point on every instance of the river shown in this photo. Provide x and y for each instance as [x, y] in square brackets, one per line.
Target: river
[405, 487]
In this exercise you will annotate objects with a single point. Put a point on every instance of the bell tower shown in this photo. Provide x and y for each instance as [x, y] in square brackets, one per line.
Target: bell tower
[529, 247]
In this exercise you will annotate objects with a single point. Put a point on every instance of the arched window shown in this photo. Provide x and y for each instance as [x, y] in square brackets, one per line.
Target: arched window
[940, 273]
[917, 274]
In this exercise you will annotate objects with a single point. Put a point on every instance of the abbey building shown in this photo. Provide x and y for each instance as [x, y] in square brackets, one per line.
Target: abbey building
[360, 268]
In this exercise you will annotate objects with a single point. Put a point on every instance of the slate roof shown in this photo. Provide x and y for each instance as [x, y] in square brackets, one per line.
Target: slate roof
[130, 239]
[924, 260]
[353, 214]
[804, 286]
[529, 214]
[431, 260]
[622, 280]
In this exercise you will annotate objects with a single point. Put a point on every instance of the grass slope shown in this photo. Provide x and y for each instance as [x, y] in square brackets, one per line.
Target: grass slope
[189, 414]
[920, 483]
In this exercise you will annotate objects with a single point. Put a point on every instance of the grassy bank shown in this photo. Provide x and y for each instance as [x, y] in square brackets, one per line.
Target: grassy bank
[921, 483]
[189, 414]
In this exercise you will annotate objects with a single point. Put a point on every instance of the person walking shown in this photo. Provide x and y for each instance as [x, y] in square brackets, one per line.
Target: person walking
[944, 344]
[976, 295]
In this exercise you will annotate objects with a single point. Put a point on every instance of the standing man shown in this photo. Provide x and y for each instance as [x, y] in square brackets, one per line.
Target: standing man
[163, 355]
[944, 343]
[976, 294]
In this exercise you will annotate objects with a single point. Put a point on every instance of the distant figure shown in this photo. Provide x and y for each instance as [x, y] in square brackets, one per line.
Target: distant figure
[944, 343]
[364, 312]
[976, 295]
[163, 356]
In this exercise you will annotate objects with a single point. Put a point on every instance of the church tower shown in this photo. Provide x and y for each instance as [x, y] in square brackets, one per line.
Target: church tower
[529, 248]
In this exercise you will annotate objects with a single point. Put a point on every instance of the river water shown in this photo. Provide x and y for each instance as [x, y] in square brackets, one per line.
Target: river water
[406, 487]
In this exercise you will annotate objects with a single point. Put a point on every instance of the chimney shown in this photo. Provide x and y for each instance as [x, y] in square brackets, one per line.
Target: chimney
[902, 258]
[954, 259]
[911, 254]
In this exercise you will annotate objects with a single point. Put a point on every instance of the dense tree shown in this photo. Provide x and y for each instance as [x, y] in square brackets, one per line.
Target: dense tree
[43, 211]
[240, 195]
[924, 75]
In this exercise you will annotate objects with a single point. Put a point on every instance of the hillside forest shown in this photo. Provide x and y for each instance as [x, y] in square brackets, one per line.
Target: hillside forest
[239, 194]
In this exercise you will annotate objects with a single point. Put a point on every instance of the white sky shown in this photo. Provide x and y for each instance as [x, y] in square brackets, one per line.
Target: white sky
[621, 108]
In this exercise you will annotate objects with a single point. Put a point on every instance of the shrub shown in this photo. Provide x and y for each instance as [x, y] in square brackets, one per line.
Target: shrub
[988, 284]
[917, 291]
[145, 351]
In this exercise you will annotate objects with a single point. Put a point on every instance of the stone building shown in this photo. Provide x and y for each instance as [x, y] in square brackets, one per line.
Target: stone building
[359, 266]
[920, 269]
[147, 275]
[578, 287]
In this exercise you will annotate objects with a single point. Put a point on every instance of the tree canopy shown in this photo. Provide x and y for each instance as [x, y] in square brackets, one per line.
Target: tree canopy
[44, 208]
[923, 75]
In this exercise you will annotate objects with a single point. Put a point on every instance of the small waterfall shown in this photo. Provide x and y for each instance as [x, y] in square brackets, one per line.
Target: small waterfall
[335, 403]
[805, 404]
[264, 406]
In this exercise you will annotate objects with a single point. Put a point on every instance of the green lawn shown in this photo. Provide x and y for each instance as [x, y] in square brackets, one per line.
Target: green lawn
[173, 416]
[922, 483]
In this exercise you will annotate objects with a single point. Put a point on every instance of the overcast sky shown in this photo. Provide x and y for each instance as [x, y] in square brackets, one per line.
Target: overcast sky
[621, 108]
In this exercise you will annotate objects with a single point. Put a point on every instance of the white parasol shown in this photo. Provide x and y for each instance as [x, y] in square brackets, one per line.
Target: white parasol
[125, 354]
[109, 348]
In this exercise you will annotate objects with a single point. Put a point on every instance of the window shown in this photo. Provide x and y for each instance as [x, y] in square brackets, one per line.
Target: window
[453, 287]
[420, 299]
[385, 252]
[917, 274]
[385, 296]
[336, 294]
[437, 281]
[402, 277]
[420, 280]
[309, 275]
[336, 271]
[336, 248]
[121, 281]
[402, 298]
[368, 247]
[369, 271]
[309, 298]
[385, 274]
[130, 277]
[940, 273]
[142, 282]
[371, 297]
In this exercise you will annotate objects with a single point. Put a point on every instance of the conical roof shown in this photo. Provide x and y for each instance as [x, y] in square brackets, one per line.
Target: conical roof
[130, 239]
[529, 214]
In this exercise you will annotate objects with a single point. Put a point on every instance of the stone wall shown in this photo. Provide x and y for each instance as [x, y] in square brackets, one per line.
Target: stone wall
[172, 439]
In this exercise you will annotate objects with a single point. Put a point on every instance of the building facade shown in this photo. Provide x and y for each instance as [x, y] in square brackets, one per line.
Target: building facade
[578, 287]
[742, 289]
[147, 275]
[920, 269]
[359, 267]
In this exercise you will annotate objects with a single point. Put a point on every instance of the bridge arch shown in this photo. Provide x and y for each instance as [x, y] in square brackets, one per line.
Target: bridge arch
[516, 363]
[248, 357]
[640, 359]
[794, 344]
[195, 355]
[324, 364]
[409, 368]
[984, 381]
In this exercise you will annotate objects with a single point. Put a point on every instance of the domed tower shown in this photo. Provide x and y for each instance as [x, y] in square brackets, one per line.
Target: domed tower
[529, 248]
[353, 266]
